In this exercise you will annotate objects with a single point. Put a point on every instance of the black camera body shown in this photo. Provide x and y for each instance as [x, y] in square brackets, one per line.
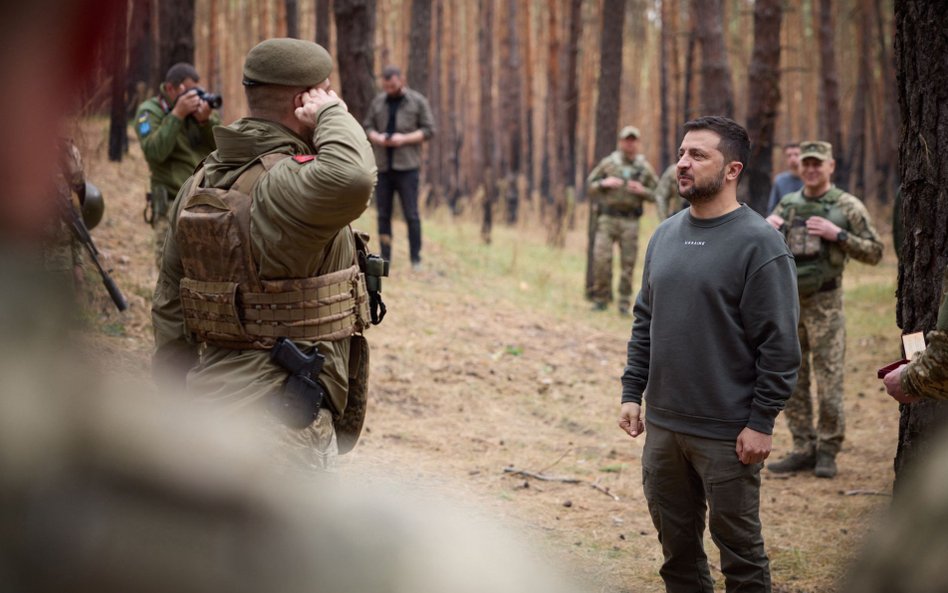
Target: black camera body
[213, 100]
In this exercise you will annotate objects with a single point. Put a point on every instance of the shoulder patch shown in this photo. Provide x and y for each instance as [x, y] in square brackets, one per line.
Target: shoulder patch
[304, 158]
[144, 127]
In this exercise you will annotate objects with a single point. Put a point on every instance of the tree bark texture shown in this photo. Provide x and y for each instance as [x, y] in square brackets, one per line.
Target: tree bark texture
[322, 24]
[831, 114]
[118, 133]
[922, 81]
[665, 42]
[763, 102]
[610, 76]
[488, 166]
[176, 34]
[139, 56]
[355, 52]
[859, 123]
[717, 96]
[419, 46]
[292, 18]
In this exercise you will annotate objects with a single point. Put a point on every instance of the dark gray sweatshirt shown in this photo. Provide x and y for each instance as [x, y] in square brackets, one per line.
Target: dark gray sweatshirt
[714, 343]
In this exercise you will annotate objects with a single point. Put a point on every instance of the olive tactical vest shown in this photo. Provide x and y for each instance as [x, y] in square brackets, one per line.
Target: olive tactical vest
[227, 304]
[620, 199]
[818, 262]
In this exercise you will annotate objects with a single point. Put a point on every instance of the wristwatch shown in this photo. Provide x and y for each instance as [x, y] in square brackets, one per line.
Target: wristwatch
[842, 236]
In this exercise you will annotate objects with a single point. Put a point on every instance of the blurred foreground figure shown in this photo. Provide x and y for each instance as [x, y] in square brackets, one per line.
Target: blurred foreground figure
[105, 487]
[906, 552]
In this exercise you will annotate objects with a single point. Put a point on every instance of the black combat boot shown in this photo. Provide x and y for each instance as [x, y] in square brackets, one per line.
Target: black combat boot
[825, 465]
[794, 462]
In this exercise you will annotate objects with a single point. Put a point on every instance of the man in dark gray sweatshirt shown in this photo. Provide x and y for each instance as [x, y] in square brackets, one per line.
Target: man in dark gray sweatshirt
[714, 350]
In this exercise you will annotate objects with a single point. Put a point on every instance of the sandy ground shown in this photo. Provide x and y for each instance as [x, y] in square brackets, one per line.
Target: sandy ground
[464, 387]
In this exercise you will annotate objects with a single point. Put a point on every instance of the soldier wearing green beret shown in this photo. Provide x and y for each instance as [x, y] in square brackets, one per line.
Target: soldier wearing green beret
[618, 186]
[261, 261]
[174, 131]
[824, 227]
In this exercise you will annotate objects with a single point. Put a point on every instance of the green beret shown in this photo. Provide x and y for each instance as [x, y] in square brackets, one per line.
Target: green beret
[287, 62]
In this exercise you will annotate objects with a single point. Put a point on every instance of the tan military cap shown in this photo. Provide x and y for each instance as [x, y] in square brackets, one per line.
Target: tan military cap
[629, 132]
[287, 62]
[816, 149]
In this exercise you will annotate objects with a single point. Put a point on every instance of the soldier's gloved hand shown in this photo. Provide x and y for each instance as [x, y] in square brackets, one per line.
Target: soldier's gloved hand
[312, 101]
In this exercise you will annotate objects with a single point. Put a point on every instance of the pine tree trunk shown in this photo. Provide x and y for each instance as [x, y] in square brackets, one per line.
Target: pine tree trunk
[920, 50]
[322, 24]
[176, 34]
[118, 134]
[485, 59]
[664, 91]
[717, 96]
[139, 55]
[831, 116]
[855, 157]
[887, 148]
[419, 46]
[607, 106]
[355, 52]
[763, 100]
[292, 19]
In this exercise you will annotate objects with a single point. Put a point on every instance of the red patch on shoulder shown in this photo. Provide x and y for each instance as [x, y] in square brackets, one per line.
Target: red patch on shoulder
[304, 158]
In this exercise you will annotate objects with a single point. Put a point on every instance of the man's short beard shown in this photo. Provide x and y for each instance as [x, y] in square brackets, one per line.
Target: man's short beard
[704, 193]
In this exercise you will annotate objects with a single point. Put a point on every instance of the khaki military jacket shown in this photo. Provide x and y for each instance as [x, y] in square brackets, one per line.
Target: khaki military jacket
[619, 198]
[413, 114]
[927, 375]
[299, 228]
[173, 147]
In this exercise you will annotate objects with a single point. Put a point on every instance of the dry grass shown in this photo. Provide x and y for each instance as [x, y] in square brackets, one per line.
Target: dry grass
[490, 358]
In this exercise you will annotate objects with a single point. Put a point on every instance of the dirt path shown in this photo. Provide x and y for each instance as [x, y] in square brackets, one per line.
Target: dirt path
[464, 386]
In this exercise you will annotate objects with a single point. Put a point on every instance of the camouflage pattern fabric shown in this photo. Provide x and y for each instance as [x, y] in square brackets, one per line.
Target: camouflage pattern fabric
[625, 232]
[313, 449]
[927, 375]
[667, 199]
[617, 222]
[61, 253]
[822, 333]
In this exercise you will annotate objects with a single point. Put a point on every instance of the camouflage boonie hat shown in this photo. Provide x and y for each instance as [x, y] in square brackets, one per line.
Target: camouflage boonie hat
[629, 132]
[816, 149]
[287, 62]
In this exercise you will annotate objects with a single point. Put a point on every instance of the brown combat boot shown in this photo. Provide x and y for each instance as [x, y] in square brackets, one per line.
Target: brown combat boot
[794, 462]
[825, 465]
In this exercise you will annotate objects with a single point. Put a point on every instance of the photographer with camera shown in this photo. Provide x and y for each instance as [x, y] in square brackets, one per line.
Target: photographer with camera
[174, 130]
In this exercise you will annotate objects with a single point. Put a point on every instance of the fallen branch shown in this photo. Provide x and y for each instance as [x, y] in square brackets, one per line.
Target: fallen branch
[536, 476]
[605, 491]
[565, 480]
[866, 493]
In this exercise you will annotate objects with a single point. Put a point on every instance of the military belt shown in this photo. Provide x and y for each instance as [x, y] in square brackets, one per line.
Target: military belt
[610, 211]
[831, 284]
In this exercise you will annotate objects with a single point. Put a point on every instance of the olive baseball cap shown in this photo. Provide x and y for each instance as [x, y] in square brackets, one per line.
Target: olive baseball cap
[816, 149]
[287, 62]
[628, 132]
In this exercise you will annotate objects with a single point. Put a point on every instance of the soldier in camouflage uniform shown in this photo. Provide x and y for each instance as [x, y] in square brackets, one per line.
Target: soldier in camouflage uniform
[667, 199]
[927, 375]
[618, 186]
[62, 254]
[824, 226]
[286, 268]
[174, 130]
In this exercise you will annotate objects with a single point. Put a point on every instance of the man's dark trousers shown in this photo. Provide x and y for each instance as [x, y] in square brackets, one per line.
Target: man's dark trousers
[683, 476]
[405, 184]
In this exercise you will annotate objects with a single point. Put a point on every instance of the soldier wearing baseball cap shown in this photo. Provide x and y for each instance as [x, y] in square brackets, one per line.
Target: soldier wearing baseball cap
[816, 149]
[300, 369]
[618, 186]
[824, 227]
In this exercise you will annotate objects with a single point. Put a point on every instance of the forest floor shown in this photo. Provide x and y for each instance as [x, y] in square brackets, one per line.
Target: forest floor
[491, 359]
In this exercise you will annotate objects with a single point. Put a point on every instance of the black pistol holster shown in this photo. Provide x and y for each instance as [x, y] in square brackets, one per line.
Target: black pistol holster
[301, 396]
